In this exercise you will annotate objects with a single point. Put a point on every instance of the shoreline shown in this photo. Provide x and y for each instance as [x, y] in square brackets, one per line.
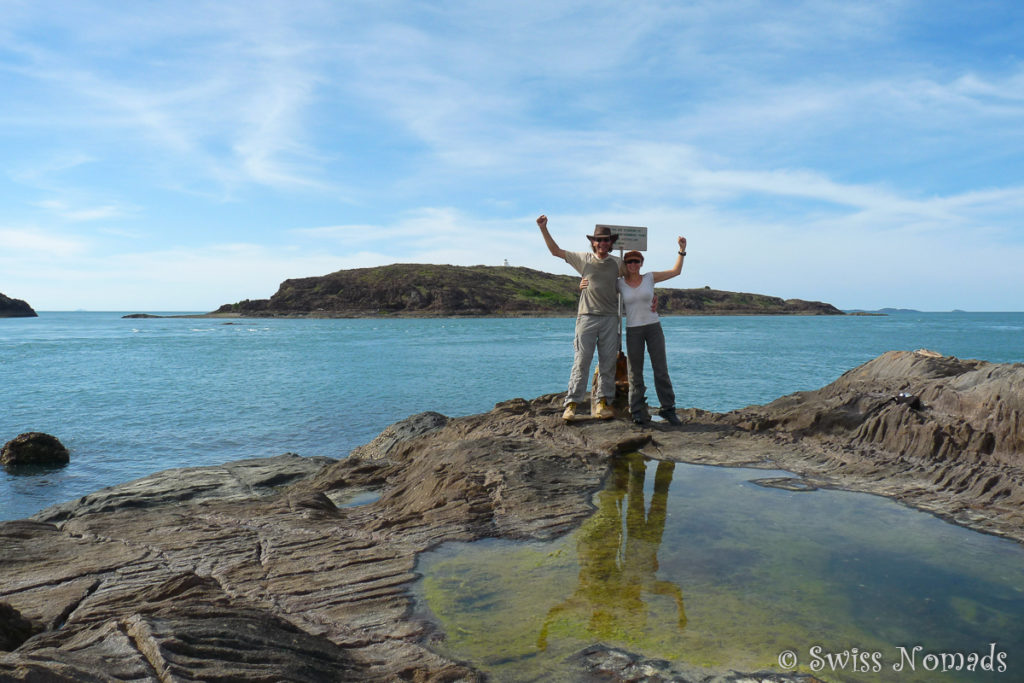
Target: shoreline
[459, 316]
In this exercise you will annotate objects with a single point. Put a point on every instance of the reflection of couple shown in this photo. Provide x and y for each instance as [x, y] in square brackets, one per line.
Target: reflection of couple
[615, 570]
[597, 325]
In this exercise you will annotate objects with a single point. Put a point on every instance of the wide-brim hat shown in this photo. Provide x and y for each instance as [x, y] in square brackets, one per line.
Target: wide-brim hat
[603, 231]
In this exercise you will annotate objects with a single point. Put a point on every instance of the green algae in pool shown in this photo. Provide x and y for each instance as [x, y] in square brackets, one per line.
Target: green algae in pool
[697, 565]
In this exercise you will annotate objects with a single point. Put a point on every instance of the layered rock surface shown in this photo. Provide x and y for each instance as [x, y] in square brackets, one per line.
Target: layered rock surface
[268, 575]
[942, 433]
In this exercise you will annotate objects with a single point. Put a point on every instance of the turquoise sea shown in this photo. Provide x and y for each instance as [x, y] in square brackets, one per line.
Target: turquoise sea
[134, 396]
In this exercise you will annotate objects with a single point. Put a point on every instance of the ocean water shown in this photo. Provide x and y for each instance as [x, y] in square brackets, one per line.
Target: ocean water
[130, 397]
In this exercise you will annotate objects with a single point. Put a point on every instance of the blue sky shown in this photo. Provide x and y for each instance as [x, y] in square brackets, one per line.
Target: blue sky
[163, 156]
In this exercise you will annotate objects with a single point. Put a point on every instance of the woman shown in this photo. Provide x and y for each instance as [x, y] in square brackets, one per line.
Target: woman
[643, 328]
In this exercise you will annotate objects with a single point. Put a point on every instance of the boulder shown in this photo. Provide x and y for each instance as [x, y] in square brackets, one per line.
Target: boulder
[34, 448]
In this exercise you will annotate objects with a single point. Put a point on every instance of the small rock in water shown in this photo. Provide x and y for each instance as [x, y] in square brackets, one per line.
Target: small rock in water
[785, 483]
[34, 448]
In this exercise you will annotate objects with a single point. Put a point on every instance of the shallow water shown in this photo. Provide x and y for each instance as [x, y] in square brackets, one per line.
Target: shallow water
[700, 565]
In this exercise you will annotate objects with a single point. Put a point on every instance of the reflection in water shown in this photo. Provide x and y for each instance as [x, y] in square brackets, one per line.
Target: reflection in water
[763, 570]
[619, 558]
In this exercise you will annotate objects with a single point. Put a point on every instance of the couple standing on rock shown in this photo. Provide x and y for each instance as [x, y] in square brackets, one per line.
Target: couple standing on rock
[597, 325]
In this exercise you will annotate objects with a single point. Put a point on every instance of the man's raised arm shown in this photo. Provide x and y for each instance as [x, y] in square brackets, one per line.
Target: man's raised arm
[542, 223]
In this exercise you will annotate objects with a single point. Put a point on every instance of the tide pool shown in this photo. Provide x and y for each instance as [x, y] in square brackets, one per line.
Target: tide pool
[699, 564]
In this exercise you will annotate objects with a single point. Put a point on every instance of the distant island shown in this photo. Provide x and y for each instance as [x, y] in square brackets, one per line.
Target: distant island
[413, 290]
[15, 308]
[883, 311]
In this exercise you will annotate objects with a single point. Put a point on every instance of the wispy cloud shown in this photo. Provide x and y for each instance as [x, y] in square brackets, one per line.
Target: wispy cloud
[241, 81]
[81, 213]
[19, 244]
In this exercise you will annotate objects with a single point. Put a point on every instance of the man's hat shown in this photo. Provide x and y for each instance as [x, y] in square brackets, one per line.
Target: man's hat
[603, 231]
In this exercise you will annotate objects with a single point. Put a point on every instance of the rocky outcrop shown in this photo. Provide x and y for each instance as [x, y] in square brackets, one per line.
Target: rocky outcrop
[262, 573]
[955, 427]
[425, 290]
[15, 308]
[34, 448]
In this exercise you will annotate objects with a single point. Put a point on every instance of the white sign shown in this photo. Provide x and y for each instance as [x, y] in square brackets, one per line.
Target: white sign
[631, 237]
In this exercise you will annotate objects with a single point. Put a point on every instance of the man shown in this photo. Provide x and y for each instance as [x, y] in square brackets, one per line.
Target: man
[597, 319]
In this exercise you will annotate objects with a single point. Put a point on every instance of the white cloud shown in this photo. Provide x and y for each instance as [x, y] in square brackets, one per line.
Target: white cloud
[17, 244]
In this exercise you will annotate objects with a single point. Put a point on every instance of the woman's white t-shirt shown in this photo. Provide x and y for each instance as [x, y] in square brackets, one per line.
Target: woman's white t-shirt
[637, 301]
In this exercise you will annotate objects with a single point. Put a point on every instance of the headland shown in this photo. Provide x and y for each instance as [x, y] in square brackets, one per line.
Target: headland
[15, 308]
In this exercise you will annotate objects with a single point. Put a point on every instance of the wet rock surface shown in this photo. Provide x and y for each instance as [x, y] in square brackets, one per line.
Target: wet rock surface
[602, 663]
[250, 571]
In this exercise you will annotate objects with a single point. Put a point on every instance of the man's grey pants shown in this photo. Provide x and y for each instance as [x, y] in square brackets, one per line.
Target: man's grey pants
[654, 338]
[601, 331]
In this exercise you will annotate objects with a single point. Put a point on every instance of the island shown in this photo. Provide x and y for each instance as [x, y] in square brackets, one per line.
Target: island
[15, 308]
[262, 570]
[429, 290]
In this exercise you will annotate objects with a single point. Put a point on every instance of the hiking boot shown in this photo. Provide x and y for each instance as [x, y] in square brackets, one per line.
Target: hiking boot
[603, 410]
[570, 412]
[669, 414]
[640, 419]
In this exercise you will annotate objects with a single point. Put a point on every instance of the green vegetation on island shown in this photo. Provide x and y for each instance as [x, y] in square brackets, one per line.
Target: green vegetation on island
[427, 290]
